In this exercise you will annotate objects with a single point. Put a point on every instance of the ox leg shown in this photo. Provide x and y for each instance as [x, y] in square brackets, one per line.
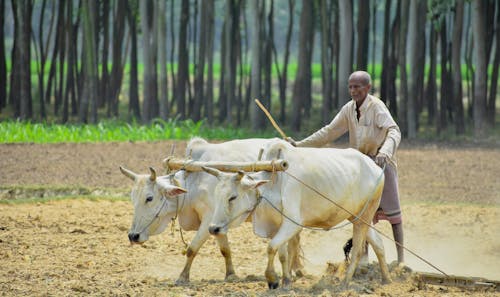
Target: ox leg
[358, 241]
[226, 253]
[295, 255]
[378, 246]
[192, 250]
[285, 233]
[285, 265]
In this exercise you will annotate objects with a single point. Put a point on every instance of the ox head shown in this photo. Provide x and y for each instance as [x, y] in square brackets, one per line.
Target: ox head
[235, 198]
[155, 203]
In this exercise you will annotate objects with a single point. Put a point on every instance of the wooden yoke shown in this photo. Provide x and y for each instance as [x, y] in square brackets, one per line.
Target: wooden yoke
[172, 163]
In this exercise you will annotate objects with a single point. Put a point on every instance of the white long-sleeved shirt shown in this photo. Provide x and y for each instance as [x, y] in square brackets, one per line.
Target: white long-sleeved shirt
[375, 131]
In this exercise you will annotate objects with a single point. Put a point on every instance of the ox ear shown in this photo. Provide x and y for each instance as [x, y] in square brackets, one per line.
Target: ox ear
[128, 173]
[152, 177]
[167, 188]
[211, 171]
[174, 191]
[248, 183]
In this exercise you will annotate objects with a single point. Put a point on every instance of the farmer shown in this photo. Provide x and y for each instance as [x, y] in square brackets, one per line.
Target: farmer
[372, 131]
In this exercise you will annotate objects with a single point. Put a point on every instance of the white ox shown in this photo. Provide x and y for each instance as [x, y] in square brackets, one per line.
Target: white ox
[344, 176]
[155, 205]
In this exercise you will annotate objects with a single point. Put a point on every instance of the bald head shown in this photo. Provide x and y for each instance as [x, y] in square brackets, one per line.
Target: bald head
[362, 77]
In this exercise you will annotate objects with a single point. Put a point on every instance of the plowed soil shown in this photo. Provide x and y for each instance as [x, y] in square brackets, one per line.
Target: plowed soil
[78, 246]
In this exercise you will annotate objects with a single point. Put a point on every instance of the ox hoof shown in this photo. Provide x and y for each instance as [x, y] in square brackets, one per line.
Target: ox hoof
[299, 273]
[181, 282]
[287, 283]
[231, 277]
[386, 281]
[273, 285]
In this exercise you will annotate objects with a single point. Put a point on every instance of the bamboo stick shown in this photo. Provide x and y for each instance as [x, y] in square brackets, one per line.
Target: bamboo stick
[172, 163]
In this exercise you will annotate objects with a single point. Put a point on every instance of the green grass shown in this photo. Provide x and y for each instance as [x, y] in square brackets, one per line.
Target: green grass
[113, 131]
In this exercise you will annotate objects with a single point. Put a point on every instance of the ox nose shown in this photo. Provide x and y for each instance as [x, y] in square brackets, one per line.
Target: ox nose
[214, 230]
[133, 237]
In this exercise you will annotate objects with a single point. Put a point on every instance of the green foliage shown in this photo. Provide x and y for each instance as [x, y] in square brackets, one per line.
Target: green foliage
[112, 130]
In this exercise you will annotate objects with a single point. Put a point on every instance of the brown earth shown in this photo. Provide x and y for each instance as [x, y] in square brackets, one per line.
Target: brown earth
[79, 247]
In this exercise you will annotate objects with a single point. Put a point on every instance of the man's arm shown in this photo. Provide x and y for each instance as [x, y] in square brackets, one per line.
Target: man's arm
[337, 127]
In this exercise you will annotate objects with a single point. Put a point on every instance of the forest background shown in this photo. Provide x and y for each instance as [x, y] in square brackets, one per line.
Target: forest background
[435, 63]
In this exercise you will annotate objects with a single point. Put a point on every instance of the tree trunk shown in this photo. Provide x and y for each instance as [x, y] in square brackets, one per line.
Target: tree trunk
[431, 90]
[134, 106]
[231, 24]
[89, 65]
[209, 94]
[256, 116]
[199, 96]
[150, 102]
[445, 89]
[326, 60]
[480, 74]
[3, 64]
[162, 58]
[283, 77]
[23, 16]
[491, 104]
[117, 52]
[302, 86]
[104, 90]
[363, 28]
[183, 70]
[456, 68]
[416, 42]
[345, 50]
[407, 108]
[70, 61]
[384, 80]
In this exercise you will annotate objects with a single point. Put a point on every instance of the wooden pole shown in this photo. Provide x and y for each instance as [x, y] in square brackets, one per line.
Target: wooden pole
[173, 163]
[275, 125]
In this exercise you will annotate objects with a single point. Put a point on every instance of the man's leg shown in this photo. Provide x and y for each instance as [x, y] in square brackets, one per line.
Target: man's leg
[397, 232]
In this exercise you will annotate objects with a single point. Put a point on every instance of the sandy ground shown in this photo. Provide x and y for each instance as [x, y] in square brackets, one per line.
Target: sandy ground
[451, 206]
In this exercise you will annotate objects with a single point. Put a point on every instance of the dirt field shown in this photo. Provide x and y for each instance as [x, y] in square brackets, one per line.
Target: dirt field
[79, 247]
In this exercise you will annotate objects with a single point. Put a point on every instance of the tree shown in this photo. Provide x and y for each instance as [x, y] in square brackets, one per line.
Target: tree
[363, 28]
[22, 11]
[3, 64]
[183, 58]
[302, 86]
[134, 106]
[345, 50]
[256, 117]
[162, 57]
[480, 74]
[456, 68]
[283, 77]
[117, 54]
[209, 113]
[416, 45]
[491, 104]
[326, 60]
[150, 101]
[407, 126]
[90, 79]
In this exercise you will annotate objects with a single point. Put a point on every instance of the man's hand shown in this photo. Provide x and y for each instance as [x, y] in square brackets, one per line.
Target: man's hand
[291, 141]
[381, 159]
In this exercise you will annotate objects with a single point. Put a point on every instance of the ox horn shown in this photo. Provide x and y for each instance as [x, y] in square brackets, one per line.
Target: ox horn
[211, 171]
[152, 177]
[128, 173]
[240, 175]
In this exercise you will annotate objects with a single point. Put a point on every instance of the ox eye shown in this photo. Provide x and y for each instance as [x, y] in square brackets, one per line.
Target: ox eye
[232, 198]
[149, 199]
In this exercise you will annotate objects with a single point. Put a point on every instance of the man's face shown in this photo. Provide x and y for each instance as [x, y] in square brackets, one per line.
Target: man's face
[358, 90]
